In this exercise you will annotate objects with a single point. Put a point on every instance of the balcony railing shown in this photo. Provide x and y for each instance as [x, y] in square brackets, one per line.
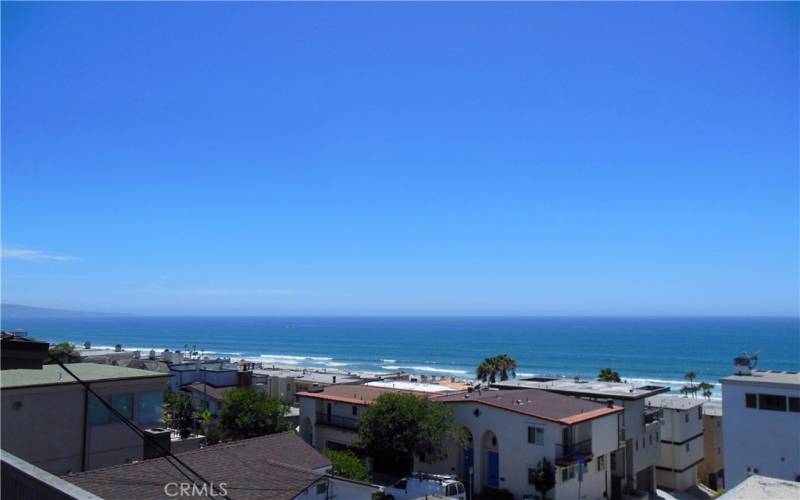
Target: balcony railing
[572, 452]
[337, 421]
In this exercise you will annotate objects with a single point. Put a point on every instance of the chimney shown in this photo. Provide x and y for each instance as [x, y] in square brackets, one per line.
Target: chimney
[159, 435]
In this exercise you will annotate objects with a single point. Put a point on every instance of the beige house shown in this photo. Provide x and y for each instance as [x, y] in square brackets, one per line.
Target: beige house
[53, 422]
[711, 470]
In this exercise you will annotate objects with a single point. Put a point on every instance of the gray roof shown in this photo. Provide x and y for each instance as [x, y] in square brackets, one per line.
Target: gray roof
[585, 388]
[771, 377]
[758, 487]
[674, 402]
[55, 375]
[278, 466]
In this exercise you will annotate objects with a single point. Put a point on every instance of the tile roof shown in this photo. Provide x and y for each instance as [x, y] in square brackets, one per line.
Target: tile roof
[354, 394]
[55, 375]
[537, 403]
[279, 466]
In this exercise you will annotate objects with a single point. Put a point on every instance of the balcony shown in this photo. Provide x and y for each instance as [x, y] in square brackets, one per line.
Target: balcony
[574, 452]
[652, 416]
[337, 421]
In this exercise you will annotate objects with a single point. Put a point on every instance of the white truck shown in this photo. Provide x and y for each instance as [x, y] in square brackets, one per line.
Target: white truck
[422, 485]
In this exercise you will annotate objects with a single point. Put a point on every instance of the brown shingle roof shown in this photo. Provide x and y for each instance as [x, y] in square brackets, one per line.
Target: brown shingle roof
[278, 466]
[355, 394]
[536, 403]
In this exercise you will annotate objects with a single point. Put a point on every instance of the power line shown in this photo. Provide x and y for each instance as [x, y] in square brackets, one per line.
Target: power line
[167, 453]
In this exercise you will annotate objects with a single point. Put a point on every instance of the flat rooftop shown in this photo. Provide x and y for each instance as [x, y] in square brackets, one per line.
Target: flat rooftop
[354, 394]
[310, 376]
[713, 408]
[773, 377]
[674, 402]
[763, 487]
[585, 388]
[537, 403]
[411, 386]
[55, 375]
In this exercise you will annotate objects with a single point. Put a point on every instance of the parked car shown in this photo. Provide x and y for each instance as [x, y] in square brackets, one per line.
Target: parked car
[421, 485]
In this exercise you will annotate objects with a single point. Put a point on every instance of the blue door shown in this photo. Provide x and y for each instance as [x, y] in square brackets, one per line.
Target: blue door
[493, 469]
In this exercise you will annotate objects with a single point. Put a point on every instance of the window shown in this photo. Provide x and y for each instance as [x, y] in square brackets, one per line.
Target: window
[536, 435]
[686, 418]
[531, 476]
[567, 473]
[98, 413]
[122, 403]
[718, 423]
[750, 401]
[150, 407]
[794, 404]
[355, 410]
[601, 463]
[651, 440]
[657, 435]
[771, 402]
[699, 413]
[322, 488]
[637, 444]
[288, 387]
[687, 446]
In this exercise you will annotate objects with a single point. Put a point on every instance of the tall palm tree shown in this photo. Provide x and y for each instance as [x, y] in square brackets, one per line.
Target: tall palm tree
[505, 365]
[691, 388]
[487, 370]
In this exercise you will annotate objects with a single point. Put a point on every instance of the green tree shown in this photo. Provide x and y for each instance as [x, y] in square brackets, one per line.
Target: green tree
[63, 352]
[348, 465]
[544, 478]
[248, 412]
[706, 389]
[402, 426]
[608, 375]
[491, 367]
[179, 413]
[691, 388]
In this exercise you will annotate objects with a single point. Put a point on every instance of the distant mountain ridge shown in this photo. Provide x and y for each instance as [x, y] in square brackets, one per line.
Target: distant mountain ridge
[12, 311]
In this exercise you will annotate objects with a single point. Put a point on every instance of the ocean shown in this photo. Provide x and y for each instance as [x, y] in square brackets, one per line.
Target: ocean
[657, 350]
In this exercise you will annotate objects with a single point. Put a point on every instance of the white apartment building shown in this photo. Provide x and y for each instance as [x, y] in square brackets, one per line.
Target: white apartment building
[511, 432]
[682, 445]
[761, 434]
[633, 464]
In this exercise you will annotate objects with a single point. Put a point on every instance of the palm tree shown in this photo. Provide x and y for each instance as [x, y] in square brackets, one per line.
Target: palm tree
[487, 370]
[706, 388]
[690, 387]
[505, 365]
[608, 375]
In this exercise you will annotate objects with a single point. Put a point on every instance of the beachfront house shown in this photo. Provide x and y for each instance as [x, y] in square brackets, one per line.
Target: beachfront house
[711, 471]
[284, 384]
[633, 464]
[762, 423]
[682, 441]
[510, 433]
[53, 422]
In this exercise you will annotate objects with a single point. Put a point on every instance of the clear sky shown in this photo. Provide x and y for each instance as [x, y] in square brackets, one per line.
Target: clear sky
[401, 158]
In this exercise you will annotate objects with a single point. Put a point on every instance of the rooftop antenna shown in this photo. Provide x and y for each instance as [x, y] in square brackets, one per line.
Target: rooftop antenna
[744, 364]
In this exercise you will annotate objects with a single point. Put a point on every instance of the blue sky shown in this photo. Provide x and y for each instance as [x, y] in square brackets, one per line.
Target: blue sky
[401, 158]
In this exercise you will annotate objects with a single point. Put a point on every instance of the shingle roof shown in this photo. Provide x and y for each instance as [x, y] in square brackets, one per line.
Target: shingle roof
[55, 375]
[279, 466]
[546, 405]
